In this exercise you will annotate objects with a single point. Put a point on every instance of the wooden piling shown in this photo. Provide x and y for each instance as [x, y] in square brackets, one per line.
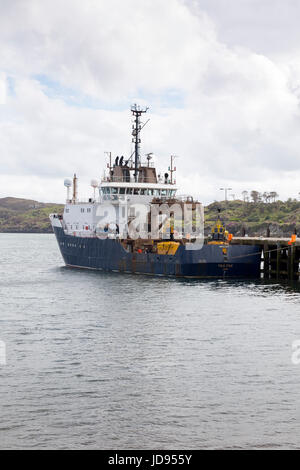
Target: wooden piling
[266, 261]
[277, 261]
[280, 257]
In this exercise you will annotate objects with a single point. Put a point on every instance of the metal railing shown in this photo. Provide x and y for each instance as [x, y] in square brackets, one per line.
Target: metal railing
[124, 179]
[185, 198]
[90, 200]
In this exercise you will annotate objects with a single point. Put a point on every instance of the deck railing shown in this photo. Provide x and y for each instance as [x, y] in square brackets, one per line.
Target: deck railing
[130, 179]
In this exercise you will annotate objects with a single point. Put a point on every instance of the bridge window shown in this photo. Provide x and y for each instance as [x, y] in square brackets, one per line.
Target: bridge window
[136, 191]
[143, 192]
[122, 190]
[82, 209]
[129, 191]
[163, 192]
[114, 190]
[106, 192]
[150, 192]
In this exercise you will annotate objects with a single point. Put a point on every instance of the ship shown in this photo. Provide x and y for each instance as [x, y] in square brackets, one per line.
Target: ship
[135, 222]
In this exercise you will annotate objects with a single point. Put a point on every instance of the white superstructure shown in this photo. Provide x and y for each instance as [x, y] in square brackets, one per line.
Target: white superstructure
[126, 185]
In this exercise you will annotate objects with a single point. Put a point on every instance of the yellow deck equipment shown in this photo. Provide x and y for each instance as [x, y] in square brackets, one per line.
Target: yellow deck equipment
[167, 248]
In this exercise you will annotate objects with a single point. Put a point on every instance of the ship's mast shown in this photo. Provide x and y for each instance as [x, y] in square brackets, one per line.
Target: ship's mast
[136, 128]
[75, 188]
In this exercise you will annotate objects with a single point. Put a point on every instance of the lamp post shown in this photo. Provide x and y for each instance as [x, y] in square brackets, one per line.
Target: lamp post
[225, 190]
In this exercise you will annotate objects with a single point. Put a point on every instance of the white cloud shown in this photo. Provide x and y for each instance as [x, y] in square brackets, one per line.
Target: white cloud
[2, 88]
[236, 123]
[107, 49]
[268, 27]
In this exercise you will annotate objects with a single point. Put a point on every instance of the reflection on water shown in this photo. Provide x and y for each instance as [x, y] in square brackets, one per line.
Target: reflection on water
[97, 360]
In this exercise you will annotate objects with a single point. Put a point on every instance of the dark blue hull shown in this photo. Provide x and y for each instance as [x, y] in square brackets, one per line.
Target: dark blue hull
[208, 262]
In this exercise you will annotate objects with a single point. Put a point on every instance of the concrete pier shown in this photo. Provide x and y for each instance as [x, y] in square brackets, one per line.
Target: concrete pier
[280, 258]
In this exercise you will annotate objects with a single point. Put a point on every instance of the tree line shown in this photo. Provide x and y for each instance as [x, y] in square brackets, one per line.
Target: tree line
[256, 196]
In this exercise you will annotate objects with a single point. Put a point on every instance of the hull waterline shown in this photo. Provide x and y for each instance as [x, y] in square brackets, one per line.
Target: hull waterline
[208, 262]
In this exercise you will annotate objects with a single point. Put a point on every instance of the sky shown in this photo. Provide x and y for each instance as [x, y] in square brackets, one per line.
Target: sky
[221, 79]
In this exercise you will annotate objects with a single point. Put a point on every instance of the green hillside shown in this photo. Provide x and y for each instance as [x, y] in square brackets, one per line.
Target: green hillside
[24, 215]
[280, 217]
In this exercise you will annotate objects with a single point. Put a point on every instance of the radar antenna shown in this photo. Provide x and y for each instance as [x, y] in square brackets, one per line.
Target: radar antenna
[149, 157]
[136, 129]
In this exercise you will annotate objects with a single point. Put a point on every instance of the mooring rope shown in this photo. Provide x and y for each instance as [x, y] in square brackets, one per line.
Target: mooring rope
[260, 252]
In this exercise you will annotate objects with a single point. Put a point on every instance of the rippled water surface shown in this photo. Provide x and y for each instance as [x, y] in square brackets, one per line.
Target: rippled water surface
[99, 360]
